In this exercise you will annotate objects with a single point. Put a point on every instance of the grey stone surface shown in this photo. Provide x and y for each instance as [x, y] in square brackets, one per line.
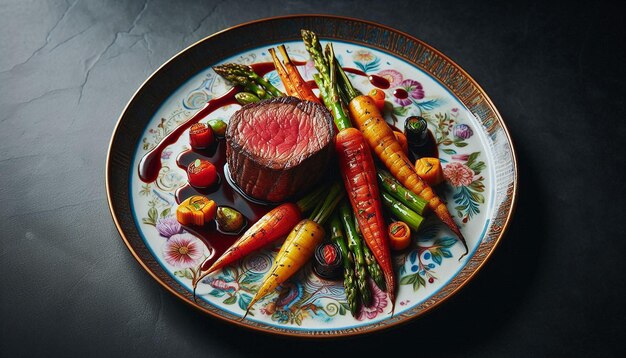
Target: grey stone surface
[69, 286]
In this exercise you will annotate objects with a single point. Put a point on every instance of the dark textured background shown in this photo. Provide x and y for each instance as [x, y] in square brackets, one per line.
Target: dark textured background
[69, 286]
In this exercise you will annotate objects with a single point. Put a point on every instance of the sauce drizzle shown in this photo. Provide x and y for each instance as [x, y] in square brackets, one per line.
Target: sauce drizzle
[375, 80]
[150, 163]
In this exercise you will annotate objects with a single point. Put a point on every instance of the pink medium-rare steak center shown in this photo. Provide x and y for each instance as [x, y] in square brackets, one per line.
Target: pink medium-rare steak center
[280, 134]
[279, 147]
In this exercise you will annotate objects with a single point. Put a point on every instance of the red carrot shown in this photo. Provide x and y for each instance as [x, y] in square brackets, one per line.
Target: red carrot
[359, 177]
[357, 167]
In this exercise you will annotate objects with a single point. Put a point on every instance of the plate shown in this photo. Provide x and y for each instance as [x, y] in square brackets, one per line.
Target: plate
[473, 144]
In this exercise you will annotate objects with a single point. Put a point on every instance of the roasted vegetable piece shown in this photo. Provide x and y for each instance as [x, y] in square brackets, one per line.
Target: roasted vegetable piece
[429, 169]
[196, 210]
[327, 261]
[378, 96]
[218, 126]
[399, 235]
[201, 173]
[200, 136]
[229, 220]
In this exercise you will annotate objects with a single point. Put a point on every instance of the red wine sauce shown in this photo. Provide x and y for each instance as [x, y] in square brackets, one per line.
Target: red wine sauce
[375, 80]
[150, 164]
[223, 194]
[400, 93]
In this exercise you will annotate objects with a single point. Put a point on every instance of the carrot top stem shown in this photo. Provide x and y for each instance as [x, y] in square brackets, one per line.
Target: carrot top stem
[322, 212]
[283, 52]
[310, 200]
[302, 89]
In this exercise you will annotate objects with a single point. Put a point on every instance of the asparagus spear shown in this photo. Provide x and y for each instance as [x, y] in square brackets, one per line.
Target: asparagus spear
[326, 80]
[392, 186]
[337, 236]
[401, 211]
[250, 85]
[314, 48]
[329, 52]
[246, 97]
[345, 84]
[373, 268]
[233, 72]
[356, 247]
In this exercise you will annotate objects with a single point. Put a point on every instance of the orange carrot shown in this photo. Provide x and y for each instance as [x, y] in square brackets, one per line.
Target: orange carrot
[359, 177]
[381, 139]
[284, 77]
[403, 141]
[399, 235]
[429, 169]
[379, 98]
[196, 210]
[303, 90]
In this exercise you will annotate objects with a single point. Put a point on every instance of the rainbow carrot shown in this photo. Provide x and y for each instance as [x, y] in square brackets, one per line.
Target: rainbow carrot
[302, 88]
[282, 73]
[356, 165]
[299, 246]
[381, 139]
[274, 225]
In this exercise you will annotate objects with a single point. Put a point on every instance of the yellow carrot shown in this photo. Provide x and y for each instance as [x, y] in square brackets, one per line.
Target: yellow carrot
[382, 140]
[299, 246]
[429, 169]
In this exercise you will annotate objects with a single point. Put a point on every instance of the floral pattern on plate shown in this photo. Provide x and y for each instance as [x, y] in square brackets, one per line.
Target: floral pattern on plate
[306, 300]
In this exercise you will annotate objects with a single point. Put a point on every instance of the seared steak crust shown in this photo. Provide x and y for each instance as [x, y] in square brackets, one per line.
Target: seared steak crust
[279, 147]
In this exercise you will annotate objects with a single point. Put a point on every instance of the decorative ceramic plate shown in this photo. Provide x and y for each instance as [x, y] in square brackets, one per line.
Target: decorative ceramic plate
[472, 141]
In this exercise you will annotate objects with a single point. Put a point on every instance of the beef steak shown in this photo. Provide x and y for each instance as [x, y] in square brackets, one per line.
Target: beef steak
[279, 147]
